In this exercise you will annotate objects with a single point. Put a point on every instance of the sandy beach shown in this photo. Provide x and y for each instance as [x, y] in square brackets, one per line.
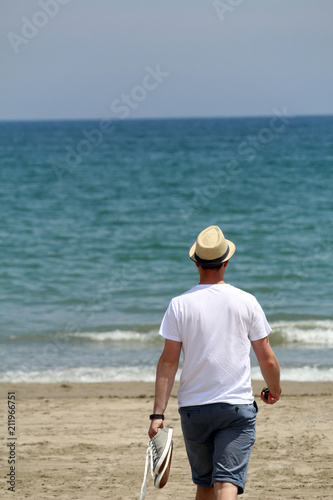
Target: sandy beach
[88, 441]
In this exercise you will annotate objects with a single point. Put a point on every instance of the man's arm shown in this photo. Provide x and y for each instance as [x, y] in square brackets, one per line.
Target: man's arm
[269, 367]
[165, 377]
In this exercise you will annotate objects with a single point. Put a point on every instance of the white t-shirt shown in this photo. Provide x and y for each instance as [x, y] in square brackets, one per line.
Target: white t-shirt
[216, 324]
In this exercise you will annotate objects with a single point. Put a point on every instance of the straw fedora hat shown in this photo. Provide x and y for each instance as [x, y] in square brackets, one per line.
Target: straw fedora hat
[211, 248]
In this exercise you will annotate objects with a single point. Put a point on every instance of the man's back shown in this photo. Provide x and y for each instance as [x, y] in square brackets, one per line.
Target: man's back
[216, 324]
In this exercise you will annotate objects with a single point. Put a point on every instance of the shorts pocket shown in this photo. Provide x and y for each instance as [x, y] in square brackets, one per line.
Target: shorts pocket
[188, 411]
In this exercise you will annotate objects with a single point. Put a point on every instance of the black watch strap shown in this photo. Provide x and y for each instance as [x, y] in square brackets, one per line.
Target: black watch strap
[154, 416]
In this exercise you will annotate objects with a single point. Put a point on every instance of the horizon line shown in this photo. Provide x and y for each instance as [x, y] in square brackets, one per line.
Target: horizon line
[116, 119]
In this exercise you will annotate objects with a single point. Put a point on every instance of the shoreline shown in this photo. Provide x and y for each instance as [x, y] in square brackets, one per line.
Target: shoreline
[83, 441]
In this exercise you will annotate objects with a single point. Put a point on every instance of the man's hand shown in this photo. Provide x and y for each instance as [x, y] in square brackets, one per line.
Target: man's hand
[267, 397]
[155, 424]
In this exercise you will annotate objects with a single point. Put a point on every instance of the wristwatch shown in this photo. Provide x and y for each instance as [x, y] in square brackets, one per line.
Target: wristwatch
[156, 416]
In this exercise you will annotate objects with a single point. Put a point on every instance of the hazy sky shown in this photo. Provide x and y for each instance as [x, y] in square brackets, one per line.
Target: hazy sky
[164, 58]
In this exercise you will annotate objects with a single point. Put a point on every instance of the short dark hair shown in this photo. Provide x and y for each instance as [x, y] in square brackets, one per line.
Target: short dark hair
[204, 266]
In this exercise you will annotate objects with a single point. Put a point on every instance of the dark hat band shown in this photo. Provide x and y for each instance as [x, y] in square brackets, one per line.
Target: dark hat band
[213, 262]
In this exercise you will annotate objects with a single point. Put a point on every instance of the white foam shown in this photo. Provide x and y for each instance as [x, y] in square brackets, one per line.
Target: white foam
[310, 332]
[118, 336]
[299, 374]
[82, 374]
[146, 374]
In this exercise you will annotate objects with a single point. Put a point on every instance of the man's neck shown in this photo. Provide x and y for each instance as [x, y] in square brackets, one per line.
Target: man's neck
[211, 278]
[211, 282]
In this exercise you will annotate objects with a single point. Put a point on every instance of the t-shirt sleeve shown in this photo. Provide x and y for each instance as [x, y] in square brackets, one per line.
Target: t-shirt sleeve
[169, 326]
[259, 328]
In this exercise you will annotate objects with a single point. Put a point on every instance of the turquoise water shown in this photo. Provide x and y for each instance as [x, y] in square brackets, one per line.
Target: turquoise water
[96, 226]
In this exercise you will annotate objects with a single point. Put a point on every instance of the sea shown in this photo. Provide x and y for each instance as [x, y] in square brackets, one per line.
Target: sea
[97, 217]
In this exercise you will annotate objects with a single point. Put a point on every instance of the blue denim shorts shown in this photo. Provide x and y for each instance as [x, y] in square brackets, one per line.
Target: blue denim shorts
[219, 439]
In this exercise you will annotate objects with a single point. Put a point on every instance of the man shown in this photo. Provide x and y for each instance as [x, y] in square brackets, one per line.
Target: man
[215, 324]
